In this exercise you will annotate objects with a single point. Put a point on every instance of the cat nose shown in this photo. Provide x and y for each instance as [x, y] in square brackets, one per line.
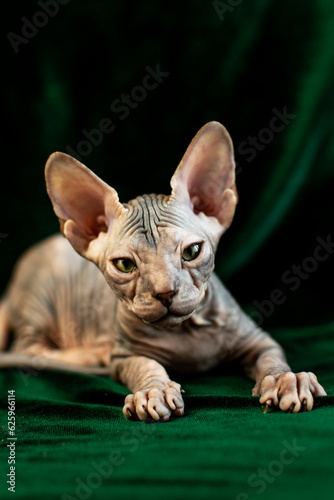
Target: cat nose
[165, 298]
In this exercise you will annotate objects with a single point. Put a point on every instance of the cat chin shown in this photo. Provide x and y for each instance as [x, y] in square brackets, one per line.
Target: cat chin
[169, 320]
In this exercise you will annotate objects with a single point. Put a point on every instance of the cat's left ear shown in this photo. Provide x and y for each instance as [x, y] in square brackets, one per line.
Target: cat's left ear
[205, 179]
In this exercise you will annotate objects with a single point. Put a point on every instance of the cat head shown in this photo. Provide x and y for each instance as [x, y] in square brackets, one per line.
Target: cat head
[156, 252]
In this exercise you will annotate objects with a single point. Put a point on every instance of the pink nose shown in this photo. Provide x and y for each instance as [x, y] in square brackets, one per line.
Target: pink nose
[165, 298]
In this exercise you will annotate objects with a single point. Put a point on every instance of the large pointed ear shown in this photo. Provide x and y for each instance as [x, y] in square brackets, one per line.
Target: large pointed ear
[205, 179]
[85, 205]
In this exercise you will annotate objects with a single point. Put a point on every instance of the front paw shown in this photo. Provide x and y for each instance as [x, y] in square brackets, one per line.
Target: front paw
[155, 403]
[292, 392]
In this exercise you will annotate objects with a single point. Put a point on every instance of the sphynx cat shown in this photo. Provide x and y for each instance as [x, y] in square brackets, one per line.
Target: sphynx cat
[131, 287]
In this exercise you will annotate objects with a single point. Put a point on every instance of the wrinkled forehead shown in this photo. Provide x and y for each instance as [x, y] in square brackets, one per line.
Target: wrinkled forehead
[152, 217]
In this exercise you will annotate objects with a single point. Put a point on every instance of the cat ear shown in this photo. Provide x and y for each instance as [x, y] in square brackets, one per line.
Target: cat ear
[84, 204]
[205, 179]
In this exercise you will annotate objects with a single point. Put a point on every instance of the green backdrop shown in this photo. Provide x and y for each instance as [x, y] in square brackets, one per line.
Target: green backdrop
[125, 87]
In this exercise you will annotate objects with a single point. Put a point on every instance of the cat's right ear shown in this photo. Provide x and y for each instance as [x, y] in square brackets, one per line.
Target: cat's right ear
[205, 179]
[84, 204]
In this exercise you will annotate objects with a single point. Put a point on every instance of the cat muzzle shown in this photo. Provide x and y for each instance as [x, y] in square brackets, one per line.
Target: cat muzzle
[163, 309]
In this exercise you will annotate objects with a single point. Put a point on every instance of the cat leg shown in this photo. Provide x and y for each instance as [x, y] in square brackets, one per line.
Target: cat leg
[279, 386]
[154, 396]
[94, 355]
[264, 361]
[276, 384]
[83, 355]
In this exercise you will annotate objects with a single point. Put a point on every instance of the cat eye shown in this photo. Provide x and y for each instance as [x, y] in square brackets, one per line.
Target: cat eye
[124, 265]
[191, 252]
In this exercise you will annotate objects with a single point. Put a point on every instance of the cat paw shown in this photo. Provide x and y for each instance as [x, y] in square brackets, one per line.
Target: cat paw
[155, 404]
[292, 392]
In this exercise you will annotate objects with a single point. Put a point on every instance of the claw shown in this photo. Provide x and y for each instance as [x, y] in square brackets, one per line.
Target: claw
[290, 410]
[129, 412]
[268, 403]
[304, 405]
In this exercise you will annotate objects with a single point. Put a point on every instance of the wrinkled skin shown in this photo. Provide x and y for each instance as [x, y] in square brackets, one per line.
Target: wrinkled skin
[131, 287]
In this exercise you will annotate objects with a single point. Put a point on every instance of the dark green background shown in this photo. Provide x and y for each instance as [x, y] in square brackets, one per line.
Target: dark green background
[236, 68]
[263, 55]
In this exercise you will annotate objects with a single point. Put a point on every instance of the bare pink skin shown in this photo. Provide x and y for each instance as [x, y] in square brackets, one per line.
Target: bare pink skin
[131, 287]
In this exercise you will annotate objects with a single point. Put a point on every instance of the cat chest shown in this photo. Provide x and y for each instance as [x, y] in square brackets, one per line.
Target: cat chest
[185, 350]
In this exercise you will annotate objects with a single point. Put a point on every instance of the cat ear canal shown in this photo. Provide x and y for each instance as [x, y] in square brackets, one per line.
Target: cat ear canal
[205, 178]
[84, 204]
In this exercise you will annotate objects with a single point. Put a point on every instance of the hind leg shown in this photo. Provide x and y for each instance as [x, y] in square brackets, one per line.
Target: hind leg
[97, 354]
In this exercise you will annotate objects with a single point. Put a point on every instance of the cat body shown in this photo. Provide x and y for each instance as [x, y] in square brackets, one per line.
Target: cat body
[132, 287]
[77, 309]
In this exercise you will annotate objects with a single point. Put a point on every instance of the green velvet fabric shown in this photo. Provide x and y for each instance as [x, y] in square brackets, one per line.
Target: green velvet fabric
[73, 441]
[265, 70]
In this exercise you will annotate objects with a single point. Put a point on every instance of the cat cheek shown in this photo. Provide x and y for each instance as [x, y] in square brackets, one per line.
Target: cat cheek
[200, 276]
[124, 289]
[190, 295]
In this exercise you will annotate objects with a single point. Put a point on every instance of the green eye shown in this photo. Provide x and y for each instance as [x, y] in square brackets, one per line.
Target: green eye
[124, 265]
[191, 252]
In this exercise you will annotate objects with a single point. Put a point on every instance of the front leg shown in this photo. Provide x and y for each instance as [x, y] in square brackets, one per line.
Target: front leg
[264, 361]
[154, 395]
[276, 384]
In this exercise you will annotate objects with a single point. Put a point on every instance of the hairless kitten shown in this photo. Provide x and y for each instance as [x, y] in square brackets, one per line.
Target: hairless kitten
[131, 288]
